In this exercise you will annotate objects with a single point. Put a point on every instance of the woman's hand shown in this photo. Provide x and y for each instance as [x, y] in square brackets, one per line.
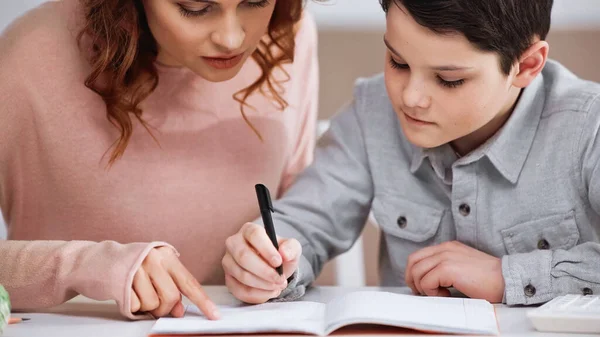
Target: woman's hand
[159, 283]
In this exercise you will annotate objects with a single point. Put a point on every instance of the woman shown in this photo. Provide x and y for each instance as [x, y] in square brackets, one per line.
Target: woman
[132, 135]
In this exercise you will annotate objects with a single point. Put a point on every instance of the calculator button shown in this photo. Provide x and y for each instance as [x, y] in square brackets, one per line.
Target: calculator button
[529, 290]
[594, 305]
[585, 304]
[587, 291]
[563, 302]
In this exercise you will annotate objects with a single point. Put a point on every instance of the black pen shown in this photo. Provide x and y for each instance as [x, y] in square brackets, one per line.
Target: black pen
[266, 208]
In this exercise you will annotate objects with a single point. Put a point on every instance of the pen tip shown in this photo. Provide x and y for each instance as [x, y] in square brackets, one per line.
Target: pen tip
[25, 319]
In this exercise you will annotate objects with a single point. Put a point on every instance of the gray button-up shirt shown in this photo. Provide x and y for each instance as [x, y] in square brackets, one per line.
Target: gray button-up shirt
[530, 194]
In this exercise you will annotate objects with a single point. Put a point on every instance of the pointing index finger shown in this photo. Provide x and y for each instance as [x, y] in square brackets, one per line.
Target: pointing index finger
[189, 286]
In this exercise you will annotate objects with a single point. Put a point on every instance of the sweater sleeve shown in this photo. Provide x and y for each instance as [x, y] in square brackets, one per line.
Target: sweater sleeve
[39, 274]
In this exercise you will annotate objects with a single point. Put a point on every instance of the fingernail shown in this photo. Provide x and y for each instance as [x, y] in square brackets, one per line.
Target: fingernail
[275, 261]
[213, 308]
[276, 278]
[287, 252]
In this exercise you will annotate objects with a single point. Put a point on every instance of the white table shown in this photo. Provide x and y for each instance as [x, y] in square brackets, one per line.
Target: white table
[84, 317]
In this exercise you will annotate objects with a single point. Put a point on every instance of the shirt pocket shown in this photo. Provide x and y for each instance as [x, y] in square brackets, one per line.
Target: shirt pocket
[406, 219]
[553, 232]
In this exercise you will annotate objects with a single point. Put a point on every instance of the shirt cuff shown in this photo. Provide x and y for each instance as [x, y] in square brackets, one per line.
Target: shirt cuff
[296, 287]
[527, 278]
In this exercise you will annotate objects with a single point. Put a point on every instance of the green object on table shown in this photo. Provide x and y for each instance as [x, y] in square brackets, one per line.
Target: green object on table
[4, 309]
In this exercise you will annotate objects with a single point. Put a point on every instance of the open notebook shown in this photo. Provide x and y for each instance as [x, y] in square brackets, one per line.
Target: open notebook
[431, 314]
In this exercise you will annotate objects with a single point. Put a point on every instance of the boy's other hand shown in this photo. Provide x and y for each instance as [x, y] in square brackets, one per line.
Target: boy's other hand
[432, 270]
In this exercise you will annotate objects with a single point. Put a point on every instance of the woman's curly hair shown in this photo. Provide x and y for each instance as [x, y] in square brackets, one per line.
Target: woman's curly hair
[123, 54]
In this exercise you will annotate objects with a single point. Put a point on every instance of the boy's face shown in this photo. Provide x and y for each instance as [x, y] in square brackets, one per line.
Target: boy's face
[443, 89]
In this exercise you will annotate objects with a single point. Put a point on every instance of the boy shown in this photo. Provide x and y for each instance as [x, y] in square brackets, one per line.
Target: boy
[476, 154]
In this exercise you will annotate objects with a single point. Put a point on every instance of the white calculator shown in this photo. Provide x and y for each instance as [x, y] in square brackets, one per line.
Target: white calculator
[568, 313]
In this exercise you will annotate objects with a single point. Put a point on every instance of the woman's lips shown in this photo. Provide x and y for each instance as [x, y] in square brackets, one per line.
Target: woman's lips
[223, 62]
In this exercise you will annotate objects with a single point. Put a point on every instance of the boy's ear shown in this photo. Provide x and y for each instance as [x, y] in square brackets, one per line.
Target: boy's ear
[531, 63]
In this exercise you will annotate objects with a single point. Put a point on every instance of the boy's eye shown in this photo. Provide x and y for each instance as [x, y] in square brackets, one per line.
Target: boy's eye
[443, 82]
[396, 65]
[451, 84]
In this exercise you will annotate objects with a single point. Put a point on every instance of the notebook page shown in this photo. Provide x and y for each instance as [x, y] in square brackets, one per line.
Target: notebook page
[435, 314]
[480, 313]
[303, 317]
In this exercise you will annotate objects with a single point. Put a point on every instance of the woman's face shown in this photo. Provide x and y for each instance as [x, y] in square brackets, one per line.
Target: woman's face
[213, 38]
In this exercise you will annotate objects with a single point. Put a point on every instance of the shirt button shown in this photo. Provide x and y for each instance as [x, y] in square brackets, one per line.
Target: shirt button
[402, 222]
[543, 244]
[529, 290]
[464, 209]
[587, 292]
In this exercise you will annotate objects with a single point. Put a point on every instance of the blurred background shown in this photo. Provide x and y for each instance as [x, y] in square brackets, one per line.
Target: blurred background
[350, 46]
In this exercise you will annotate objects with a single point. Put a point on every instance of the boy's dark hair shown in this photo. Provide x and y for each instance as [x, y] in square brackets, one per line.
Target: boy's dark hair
[505, 27]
